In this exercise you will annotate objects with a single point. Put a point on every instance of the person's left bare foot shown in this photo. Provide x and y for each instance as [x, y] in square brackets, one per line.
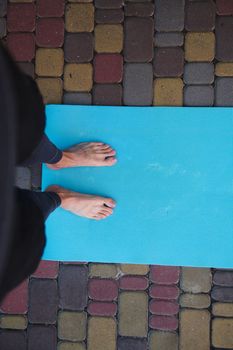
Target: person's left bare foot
[86, 154]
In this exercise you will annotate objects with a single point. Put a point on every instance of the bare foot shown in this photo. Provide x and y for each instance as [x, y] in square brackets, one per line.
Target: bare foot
[86, 154]
[88, 206]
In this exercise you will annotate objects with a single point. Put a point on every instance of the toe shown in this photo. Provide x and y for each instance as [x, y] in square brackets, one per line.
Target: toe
[110, 161]
[109, 202]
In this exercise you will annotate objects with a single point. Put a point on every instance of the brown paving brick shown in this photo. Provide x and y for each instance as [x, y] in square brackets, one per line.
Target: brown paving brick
[168, 62]
[139, 9]
[164, 323]
[108, 68]
[224, 7]
[16, 301]
[21, 17]
[50, 89]
[42, 337]
[222, 309]
[138, 43]
[11, 340]
[108, 4]
[21, 46]
[200, 16]
[134, 269]
[195, 301]
[166, 308]
[222, 330]
[102, 270]
[102, 309]
[47, 269]
[107, 94]
[72, 325]
[199, 46]
[78, 47]
[78, 77]
[164, 274]
[224, 69]
[50, 8]
[28, 68]
[108, 38]
[109, 16]
[224, 44]
[133, 283]
[50, 32]
[49, 62]
[196, 280]
[102, 289]
[168, 92]
[101, 333]
[79, 18]
[13, 321]
[163, 340]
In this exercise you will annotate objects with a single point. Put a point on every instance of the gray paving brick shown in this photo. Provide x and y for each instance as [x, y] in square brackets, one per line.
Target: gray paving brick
[224, 42]
[77, 98]
[198, 73]
[72, 281]
[2, 27]
[42, 337]
[23, 178]
[169, 15]
[223, 278]
[43, 301]
[12, 340]
[169, 39]
[127, 343]
[224, 92]
[198, 95]
[223, 294]
[3, 7]
[138, 80]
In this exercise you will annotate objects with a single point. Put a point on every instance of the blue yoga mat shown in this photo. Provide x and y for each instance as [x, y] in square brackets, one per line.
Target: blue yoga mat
[173, 184]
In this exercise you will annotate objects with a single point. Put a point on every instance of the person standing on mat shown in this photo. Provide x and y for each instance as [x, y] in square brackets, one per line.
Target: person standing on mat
[24, 142]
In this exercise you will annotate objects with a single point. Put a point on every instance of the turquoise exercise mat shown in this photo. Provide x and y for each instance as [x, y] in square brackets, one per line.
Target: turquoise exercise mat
[172, 184]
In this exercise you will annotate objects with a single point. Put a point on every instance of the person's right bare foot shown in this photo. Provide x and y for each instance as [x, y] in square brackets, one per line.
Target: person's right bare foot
[89, 206]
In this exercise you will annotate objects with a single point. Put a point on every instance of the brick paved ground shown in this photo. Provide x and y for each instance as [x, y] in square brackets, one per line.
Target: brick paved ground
[107, 53]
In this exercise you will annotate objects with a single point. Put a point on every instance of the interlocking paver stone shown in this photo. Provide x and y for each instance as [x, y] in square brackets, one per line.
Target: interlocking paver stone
[77, 98]
[224, 92]
[138, 40]
[21, 17]
[72, 325]
[78, 77]
[108, 68]
[199, 73]
[224, 69]
[23, 178]
[16, 301]
[195, 301]
[168, 92]
[102, 309]
[50, 32]
[199, 95]
[13, 321]
[10, 340]
[49, 62]
[102, 289]
[43, 301]
[194, 330]
[223, 278]
[164, 323]
[103, 270]
[73, 278]
[199, 46]
[222, 309]
[126, 343]
[3, 8]
[42, 337]
[224, 7]
[63, 345]
[51, 89]
[79, 18]
[222, 330]
[46, 269]
[168, 62]
[28, 68]
[21, 46]
[133, 283]
[163, 340]
[139, 9]
[108, 38]
[164, 274]
[160, 307]
[2, 28]
[108, 4]
[101, 333]
[224, 294]
[107, 94]
[50, 8]
[169, 15]
[137, 82]
[224, 44]
[164, 292]
[133, 314]
[134, 269]
[109, 16]
[169, 39]
[196, 280]
[200, 16]
[78, 47]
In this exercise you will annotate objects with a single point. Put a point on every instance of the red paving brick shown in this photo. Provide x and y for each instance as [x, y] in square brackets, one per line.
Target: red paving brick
[164, 274]
[165, 323]
[50, 8]
[21, 46]
[224, 7]
[160, 307]
[102, 309]
[103, 289]
[133, 283]
[50, 32]
[47, 269]
[16, 301]
[164, 292]
[21, 17]
[108, 68]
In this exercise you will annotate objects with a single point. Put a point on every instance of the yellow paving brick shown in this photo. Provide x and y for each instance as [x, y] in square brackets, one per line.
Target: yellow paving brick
[49, 62]
[163, 341]
[101, 333]
[70, 346]
[134, 269]
[108, 38]
[224, 69]
[72, 325]
[196, 280]
[199, 46]
[222, 333]
[51, 89]
[133, 314]
[78, 77]
[79, 18]
[222, 309]
[195, 301]
[168, 92]
[103, 270]
[13, 321]
[194, 330]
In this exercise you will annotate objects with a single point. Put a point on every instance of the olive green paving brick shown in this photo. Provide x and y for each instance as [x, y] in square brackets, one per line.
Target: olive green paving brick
[163, 340]
[101, 333]
[200, 46]
[103, 270]
[222, 309]
[49, 62]
[196, 280]
[108, 38]
[51, 89]
[13, 321]
[72, 325]
[224, 69]
[79, 18]
[78, 77]
[134, 269]
[222, 333]
[168, 92]
[63, 345]
[195, 301]
[194, 330]
[133, 314]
